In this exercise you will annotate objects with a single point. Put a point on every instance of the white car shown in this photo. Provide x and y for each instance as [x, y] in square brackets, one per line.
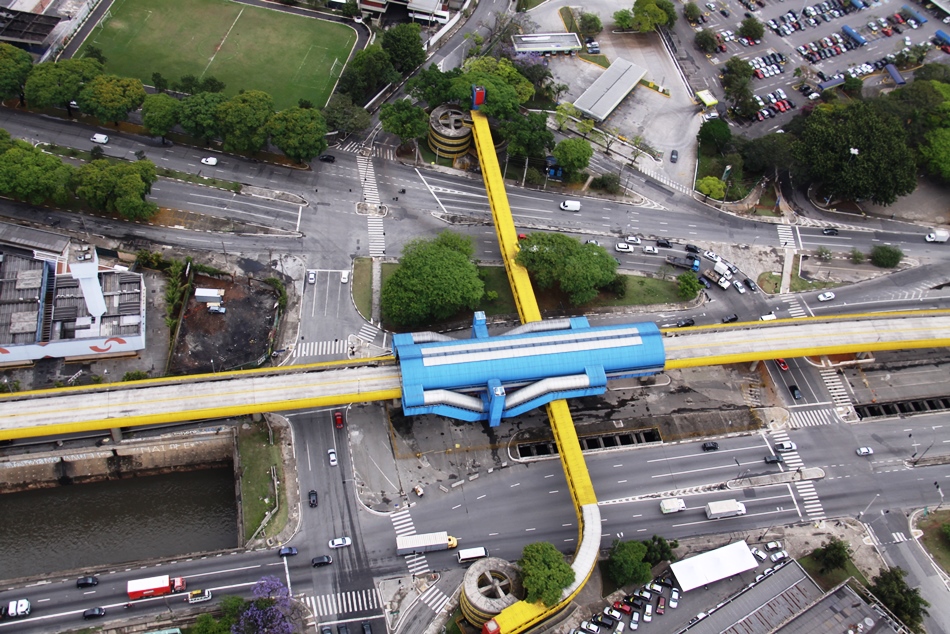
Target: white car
[674, 598]
[650, 250]
[593, 242]
[100, 138]
[773, 546]
[648, 613]
[331, 453]
[210, 160]
[739, 287]
[614, 614]
[779, 556]
[759, 554]
[907, 41]
[826, 297]
[340, 542]
[635, 621]
[590, 628]
[633, 239]
[344, 277]
[709, 255]
[785, 446]
[311, 277]
[865, 451]
[623, 247]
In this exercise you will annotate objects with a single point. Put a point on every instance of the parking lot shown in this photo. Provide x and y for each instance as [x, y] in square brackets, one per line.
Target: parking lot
[813, 36]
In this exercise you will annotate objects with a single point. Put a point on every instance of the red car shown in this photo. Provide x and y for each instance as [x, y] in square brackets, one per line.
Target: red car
[781, 365]
[661, 605]
[623, 607]
[338, 419]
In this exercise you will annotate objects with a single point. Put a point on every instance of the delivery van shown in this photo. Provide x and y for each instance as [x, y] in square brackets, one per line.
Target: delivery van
[571, 205]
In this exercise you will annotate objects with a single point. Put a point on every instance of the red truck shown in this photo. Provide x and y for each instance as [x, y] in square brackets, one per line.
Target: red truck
[155, 586]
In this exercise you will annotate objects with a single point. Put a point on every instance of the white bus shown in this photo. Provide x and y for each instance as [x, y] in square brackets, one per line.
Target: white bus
[468, 555]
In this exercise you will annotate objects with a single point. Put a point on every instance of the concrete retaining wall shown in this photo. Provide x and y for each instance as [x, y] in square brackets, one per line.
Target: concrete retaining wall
[126, 459]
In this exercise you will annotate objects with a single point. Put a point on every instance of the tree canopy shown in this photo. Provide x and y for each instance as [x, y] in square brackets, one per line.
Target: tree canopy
[504, 70]
[714, 134]
[573, 154]
[691, 11]
[435, 279]
[242, 121]
[160, 114]
[528, 136]
[590, 24]
[118, 187]
[706, 41]
[623, 19]
[905, 602]
[857, 153]
[199, 115]
[580, 270]
[403, 119]
[33, 176]
[299, 133]
[111, 98]
[342, 115]
[403, 42]
[751, 28]
[886, 256]
[833, 555]
[545, 574]
[625, 564]
[433, 86]
[712, 186]
[648, 15]
[367, 73]
[15, 67]
[59, 83]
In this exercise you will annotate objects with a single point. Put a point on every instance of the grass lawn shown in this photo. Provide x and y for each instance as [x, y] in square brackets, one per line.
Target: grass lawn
[363, 286]
[257, 457]
[769, 282]
[246, 47]
[934, 540]
[829, 580]
[642, 291]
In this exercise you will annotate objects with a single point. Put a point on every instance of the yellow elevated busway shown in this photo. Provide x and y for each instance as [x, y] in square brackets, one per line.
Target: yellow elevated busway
[523, 616]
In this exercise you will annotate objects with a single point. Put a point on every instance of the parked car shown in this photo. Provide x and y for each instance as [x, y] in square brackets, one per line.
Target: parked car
[758, 554]
[674, 598]
[311, 277]
[771, 546]
[674, 156]
[661, 606]
[779, 556]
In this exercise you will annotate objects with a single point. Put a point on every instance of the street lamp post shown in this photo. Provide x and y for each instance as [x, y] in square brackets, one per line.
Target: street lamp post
[861, 514]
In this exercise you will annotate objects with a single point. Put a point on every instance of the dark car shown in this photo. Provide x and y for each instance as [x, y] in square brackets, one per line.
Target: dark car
[710, 446]
[87, 582]
[692, 248]
[367, 628]
[683, 323]
[326, 629]
[796, 393]
[750, 284]
[313, 499]
[326, 158]
[94, 613]
[702, 280]
[663, 242]
[830, 231]
[603, 619]
[674, 156]
[287, 551]
[724, 13]
[776, 459]
[342, 629]
[728, 319]
[322, 560]
[338, 419]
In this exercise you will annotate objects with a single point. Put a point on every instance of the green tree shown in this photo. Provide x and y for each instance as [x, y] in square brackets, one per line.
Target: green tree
[905, 602]
[933, 70]
[243, 120]
[118, 187]
[737, 76]
[345, 117]
[886, 256]
[580, 270]
[95, 53]
[111, 98]
[544, 255]
[403, 119]
[935, 153]
[659, 550]
[299, 133]
[15, 67]
[504, 101]
[670, 10]
[33, 176]
[853, 86]
[586, 272]
[544, 572]
[159, 82]
[857, 256]
[564, 113]
[623, 19]
[691, 12]
[367, 73]
[856, 153]
[403, 42]
[529, 135]
[714, 135]
[712, 187]
[160, 114]
[769, 152]
[647, 16]
[504, 70]
[351, 9]
[573, 154]
[590, 24]
[823, 253]
[608, 182]
[199, 115]
[687, 286]
[752, 29]
[833, 555]
[435, 279]
[706, 41]
[432, 86]
[625, 564]
[59, 83]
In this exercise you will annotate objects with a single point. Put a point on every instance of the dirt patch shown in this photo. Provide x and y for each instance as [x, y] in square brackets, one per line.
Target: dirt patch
[239, 338]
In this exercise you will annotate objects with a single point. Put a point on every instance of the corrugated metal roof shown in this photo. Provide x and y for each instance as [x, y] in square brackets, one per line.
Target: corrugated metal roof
[610, 89]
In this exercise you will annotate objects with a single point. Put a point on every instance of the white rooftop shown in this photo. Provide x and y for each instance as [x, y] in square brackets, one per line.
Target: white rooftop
[713, 566]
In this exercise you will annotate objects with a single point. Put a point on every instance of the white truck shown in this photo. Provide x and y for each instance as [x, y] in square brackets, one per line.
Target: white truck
[424, 543]
[938, 235]
[723, 269]
[672, 505]
[724, 508]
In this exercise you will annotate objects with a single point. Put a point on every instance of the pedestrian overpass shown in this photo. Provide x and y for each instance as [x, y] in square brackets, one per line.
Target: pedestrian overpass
[482, 378]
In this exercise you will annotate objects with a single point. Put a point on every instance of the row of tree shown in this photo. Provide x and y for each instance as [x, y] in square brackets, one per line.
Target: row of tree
[859, 149]
[646, 16]
[379, 65]
[33, 176]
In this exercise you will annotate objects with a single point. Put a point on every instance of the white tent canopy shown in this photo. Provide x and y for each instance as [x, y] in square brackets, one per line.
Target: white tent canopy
[713, 566]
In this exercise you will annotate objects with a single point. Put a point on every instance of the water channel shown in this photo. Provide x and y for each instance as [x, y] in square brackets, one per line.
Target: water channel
[91, 526]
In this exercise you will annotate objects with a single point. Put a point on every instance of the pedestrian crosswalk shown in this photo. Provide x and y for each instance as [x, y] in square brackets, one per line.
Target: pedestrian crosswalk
[403, 525]
[812, 418]
[320, 348]
[434, 598]
[786, 236]
[368, 333]
[805, 489]
[368, 179]
[377, 236]
[666, 180]
[379, 151]
[896, 538]
[344, 602]
[839, 394]
[794, 306]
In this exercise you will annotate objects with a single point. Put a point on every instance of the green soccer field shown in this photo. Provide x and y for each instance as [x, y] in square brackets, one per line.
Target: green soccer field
[248, 48]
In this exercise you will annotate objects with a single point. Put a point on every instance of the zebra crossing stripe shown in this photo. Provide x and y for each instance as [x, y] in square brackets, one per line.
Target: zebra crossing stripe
[319, 348]
[435, 599]
[344, 602]
[368, 333]
[377, 236]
